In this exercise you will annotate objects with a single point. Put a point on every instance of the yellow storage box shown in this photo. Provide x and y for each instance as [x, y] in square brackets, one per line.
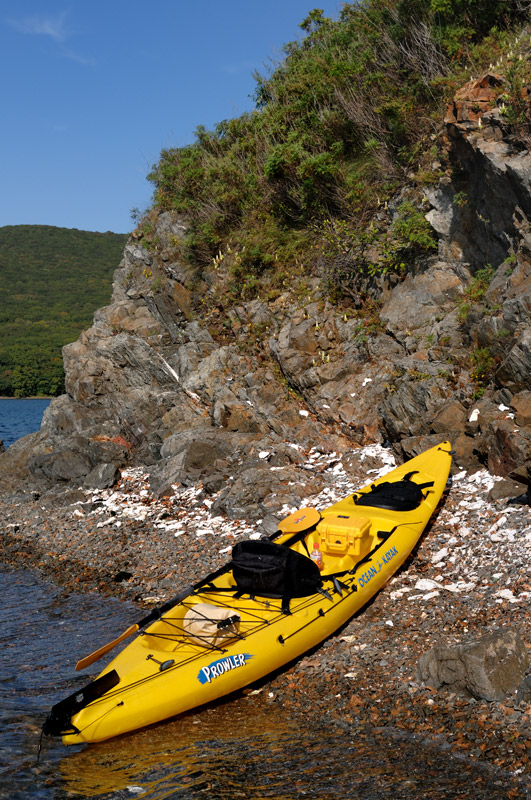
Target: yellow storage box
[343, 533]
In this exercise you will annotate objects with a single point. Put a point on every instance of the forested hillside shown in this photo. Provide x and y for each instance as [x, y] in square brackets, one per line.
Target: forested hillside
[52, 280]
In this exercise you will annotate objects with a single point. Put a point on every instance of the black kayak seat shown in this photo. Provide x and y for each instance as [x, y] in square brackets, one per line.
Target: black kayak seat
[403, 495]
[261, 567]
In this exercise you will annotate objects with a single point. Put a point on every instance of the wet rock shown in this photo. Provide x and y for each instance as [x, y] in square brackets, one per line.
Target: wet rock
[490, 668]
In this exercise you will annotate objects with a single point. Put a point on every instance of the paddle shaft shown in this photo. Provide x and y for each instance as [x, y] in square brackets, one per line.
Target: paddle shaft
[151, 617]
[158, 612]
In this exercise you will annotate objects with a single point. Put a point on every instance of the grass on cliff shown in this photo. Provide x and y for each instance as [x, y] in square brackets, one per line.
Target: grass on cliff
[345, 120]
[52, 280]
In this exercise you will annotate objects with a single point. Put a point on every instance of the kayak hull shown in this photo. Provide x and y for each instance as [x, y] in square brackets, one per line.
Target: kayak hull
[165, 671]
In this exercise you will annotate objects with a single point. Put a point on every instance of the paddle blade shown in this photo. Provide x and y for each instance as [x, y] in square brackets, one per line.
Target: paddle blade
[97, 654]
[301, 520]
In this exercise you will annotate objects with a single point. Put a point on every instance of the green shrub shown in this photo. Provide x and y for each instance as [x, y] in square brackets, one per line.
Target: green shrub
[484, 365]
[411, 230]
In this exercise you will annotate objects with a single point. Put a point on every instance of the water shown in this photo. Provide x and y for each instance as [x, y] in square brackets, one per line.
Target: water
[20, 417]
[245, 747]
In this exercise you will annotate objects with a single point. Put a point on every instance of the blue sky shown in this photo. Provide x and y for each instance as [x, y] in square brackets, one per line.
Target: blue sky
[94, 89]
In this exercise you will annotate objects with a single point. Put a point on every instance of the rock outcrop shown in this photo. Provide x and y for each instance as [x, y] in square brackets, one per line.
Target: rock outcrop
[169, 380]
[489, 668]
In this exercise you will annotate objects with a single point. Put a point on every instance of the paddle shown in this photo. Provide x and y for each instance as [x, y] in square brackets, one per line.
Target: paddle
[151, 617]
[296, 524]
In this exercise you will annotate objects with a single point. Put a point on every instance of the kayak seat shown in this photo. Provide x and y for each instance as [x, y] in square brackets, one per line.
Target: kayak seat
[403, 495]
[264, 568]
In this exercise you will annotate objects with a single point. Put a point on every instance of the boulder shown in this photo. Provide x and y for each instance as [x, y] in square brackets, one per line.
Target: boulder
[409, 410]
[195, 455]
[522, 473]
[489, 668]
[450, 419]
[75, 457]
[521, 405]
[463, 448]
[521, 477]
[60, 465]
[14, 469]
[62, 495]
[515, 370]
[507, 489]
[505, 446]
[412, 446]
[102, 476]
[523, 694]
[259, 491]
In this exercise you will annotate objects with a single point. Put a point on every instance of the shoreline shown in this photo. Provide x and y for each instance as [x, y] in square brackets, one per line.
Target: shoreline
[463, 580]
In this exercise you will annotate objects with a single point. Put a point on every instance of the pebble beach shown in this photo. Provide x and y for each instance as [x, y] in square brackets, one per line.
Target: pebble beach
[468, 576]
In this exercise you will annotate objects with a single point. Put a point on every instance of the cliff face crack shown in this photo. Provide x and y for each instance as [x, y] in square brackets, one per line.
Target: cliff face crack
[169, 369]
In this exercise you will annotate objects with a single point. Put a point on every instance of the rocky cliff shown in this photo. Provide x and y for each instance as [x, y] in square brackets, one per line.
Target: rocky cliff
[168, 380]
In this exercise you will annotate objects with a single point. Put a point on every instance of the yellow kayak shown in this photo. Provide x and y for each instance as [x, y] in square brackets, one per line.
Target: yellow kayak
[273, 601]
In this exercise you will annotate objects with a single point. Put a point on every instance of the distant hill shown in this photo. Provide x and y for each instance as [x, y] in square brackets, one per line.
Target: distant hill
[52, 280]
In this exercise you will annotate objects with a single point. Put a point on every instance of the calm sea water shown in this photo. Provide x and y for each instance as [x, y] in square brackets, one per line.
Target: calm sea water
[20, 417]
[247, 747]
